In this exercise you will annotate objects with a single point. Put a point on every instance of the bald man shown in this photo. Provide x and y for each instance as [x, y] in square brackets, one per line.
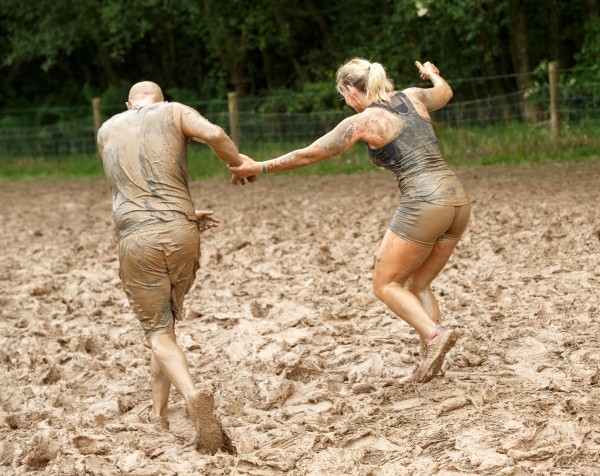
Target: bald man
[144, 154]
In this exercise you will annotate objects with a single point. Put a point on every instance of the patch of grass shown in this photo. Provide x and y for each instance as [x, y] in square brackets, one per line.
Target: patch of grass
[518, 144]
[489, 145]
[59, 167]
[203, 163]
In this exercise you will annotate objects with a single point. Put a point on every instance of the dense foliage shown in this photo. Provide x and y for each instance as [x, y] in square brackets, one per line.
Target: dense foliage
[64, 52]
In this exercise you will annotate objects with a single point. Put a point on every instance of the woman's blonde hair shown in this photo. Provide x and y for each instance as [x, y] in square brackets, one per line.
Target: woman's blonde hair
[366, 76]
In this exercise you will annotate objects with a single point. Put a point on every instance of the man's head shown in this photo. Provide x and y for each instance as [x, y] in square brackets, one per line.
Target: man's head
[143, 94]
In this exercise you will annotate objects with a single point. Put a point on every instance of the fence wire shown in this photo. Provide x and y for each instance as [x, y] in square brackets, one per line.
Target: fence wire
[66, 131]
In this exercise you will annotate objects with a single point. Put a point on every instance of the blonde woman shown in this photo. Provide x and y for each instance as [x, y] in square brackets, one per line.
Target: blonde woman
[434, 209]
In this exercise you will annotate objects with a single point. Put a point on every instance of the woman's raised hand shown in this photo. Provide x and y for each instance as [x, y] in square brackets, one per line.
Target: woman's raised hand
[426, 69]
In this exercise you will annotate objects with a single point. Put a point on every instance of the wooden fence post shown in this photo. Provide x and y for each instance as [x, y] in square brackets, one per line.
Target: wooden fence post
[97, 119]
[554, 119]
[234, 125]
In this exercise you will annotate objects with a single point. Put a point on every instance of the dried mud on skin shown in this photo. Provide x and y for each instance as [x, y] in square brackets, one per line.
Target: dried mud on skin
[283, 327]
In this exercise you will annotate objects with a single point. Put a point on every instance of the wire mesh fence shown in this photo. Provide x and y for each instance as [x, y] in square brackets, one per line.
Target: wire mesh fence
[71, 131]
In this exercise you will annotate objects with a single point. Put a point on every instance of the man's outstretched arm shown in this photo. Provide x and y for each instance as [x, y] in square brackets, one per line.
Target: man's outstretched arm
[194, 126]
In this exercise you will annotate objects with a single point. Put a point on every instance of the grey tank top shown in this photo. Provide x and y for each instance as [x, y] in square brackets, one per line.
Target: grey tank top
[415, 159]
[145, 162]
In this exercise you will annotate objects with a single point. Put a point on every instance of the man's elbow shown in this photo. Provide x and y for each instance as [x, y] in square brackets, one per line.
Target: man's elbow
[215, 135]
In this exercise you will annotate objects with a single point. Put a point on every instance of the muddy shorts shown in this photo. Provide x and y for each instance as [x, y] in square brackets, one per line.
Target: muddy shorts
[425, 223]
[158, 265]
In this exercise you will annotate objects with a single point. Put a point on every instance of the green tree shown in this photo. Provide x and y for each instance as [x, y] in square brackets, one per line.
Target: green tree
[64, 51]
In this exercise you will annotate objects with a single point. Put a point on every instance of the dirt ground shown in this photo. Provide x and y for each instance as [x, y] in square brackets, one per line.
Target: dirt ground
[303, 360]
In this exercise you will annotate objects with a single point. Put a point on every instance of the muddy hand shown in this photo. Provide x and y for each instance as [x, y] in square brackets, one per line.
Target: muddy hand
[235, 179]
[205, 219]
[248, 168]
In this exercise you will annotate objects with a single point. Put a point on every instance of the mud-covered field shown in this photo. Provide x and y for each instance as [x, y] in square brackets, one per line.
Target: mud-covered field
[303, 360]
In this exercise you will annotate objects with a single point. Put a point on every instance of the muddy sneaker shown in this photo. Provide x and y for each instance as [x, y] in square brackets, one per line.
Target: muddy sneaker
[448, 362]
[209, 432]
[417, 372]
[159, 421]
[437, 346]
[413, 377]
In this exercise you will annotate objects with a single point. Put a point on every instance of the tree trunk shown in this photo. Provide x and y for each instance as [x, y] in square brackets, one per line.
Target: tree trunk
[592, 9]
[288, 41]
[495, 66]
[229, 47]
[168, 55]
[519, 49]
[107, 66]
[317, 15]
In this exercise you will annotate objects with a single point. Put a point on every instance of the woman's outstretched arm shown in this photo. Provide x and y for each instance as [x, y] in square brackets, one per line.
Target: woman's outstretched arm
[341, 138]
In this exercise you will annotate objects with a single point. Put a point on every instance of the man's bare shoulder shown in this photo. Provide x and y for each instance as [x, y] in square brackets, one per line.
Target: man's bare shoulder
[110, 124]
[180, 107]
[183, 109]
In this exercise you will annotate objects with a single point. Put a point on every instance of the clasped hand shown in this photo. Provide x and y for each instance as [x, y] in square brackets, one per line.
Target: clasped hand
[247, 169]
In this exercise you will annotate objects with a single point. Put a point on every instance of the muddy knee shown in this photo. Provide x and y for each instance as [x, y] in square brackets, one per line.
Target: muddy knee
[378, 289]
[381, 289]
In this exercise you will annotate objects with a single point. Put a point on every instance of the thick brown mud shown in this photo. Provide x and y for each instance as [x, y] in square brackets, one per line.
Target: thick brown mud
[282, 325]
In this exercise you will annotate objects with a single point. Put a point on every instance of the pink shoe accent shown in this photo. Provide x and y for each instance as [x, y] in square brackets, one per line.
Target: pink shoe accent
[437, 332]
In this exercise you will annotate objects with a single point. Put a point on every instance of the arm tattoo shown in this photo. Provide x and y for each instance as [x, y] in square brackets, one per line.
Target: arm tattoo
[338, 140]
[331, 144]
[276, 165]
[383, 129]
